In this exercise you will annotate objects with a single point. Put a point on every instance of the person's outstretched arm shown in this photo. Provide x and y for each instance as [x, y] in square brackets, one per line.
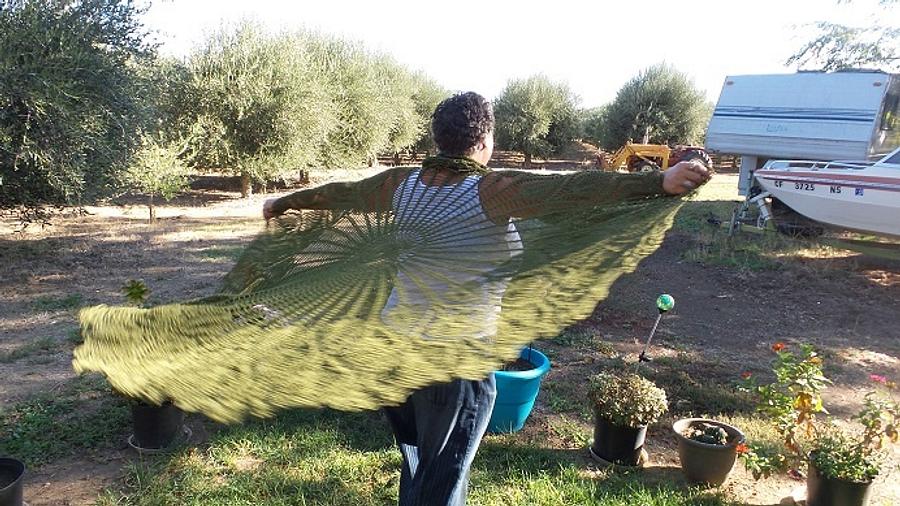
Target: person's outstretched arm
[371, 194]
[516, 194]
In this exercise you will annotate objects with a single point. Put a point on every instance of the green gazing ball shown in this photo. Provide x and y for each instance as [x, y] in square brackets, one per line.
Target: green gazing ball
[665, 302]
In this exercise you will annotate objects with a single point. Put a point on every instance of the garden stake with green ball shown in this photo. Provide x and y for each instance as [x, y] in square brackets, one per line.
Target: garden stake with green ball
[664, 303]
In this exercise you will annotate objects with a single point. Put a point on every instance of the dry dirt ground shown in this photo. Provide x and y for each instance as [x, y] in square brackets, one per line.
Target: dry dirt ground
[726, 319]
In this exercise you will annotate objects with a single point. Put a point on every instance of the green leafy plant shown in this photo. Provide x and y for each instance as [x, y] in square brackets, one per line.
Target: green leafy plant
[536, 116]
[793, 402]
[707, 433]
[627, 399]
[839, 455]
[157, 171]
[136, 292]
[660, 105]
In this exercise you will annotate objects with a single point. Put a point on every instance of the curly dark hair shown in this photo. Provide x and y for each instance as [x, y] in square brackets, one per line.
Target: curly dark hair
[460, 122]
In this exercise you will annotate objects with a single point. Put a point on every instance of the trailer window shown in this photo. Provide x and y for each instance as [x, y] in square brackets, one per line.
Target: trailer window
[889, 118]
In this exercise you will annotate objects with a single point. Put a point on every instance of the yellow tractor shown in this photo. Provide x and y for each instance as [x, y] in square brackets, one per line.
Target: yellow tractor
[651, 157]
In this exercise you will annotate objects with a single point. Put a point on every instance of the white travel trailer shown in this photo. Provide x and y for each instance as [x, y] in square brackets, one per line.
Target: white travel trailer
[806, 116]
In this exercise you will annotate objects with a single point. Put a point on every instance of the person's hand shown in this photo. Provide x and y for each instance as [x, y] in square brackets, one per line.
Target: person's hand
[684, 177]
[269, 209]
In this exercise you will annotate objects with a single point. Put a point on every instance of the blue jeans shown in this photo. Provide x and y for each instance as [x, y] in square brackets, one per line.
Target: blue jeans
[438, 430]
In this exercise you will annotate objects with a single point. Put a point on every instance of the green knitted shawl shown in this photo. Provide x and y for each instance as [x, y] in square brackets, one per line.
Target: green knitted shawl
[461, 164]
[359, 302]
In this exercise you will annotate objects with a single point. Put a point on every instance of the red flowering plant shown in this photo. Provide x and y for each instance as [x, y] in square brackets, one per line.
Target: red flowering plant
[793, 402]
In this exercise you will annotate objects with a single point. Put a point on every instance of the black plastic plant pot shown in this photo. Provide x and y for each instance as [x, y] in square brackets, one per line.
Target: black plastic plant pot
[704, 463]
[12, 482]
[156, 427]
[616, 444]
[824, 491]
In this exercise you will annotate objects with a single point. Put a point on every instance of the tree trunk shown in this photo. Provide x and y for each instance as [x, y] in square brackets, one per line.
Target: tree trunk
[246, 186]
[527, 164]
[397, 161]
[152, 210]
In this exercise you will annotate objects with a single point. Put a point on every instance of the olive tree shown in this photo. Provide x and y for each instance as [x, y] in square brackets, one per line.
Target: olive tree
[535, 116]
[660, 105]
[371, 101]
[835, 46]
[400, 86]
[427, 94]
[70, 116]
[593, 122]
[261, 108]
[157, 170]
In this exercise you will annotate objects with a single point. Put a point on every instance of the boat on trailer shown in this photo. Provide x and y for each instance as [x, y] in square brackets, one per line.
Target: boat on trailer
[856, 195]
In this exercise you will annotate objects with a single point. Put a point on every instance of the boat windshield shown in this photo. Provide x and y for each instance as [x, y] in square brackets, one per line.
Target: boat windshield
[893, 158]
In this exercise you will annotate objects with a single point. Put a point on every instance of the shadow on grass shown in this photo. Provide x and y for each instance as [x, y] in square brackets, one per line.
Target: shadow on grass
[511, 473]
[365, 431]
[330, 458]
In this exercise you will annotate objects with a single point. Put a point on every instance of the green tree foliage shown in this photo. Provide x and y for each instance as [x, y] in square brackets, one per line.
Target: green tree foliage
[262, 105]
[260, 109]
[363, 94]
[69, 113]
[835, 46]
[427, 94]
[661, 105]
[593, 122]
[157, 171]
[169, 99]
[535, 116]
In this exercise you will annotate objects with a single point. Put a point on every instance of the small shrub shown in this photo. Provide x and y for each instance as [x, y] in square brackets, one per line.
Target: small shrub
[136, 292]
[627, 399]
[707, 433]
[838, 456]
[794, 400]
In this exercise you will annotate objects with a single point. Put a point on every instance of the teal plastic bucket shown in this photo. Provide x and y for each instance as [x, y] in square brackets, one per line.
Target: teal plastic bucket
[516, 393]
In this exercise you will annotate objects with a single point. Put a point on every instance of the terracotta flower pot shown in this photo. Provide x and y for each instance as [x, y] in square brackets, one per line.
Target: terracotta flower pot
[705, 463]
[824, 491]
[12, 474]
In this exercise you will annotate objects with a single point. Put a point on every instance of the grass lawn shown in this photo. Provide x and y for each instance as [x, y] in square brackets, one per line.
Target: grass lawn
[322, 457]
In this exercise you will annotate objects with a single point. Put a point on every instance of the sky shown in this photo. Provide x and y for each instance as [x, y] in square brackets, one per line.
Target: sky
[594, 46]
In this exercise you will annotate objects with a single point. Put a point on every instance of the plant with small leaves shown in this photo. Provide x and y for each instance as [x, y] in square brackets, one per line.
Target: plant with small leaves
[794, 400]
[627, 399]
[157, 171]
[136, 292]
[707, 433]
[839, 455]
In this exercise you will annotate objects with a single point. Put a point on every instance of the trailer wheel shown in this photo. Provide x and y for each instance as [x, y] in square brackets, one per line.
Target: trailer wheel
[794, 224]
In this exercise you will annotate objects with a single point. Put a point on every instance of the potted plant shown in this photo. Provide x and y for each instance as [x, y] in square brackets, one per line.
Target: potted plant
[842, 462]
[156, 426]
[707, 449]
[12, 474]
[624, 404]
[518, 385]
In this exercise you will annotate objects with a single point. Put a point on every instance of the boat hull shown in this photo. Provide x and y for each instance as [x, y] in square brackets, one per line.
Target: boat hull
[864, 202]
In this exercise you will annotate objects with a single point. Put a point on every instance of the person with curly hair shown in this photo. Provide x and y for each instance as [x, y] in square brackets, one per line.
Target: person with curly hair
[440, 427]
